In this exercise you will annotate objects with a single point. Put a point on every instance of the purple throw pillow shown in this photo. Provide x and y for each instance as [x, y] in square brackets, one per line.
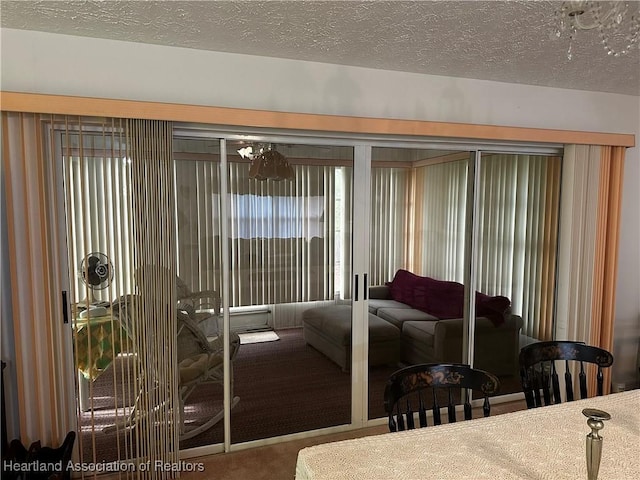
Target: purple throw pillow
[402, 286]
[444, 299]
[493, 308]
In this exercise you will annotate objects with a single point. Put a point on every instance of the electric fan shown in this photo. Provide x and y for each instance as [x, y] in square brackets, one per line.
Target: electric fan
[96, 272]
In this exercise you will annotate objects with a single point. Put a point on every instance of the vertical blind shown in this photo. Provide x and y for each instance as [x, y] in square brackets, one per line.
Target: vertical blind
[519, 205]
[587, 256]
[518, 230]
[388, 235]
[283, 235]
[41, 370]
[441, 199]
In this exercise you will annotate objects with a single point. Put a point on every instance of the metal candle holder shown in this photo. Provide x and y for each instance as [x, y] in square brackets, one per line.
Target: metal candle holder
[595, 421]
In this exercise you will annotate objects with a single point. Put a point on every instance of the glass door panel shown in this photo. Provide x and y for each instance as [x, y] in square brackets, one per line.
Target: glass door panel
[289, 233]
[96, 201]
[518, 205]
[417, 236]
[121, 293]
[198, 226]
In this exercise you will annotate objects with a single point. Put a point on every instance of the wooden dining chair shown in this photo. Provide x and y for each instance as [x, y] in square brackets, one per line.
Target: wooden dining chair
[538, 371]
[417, 388]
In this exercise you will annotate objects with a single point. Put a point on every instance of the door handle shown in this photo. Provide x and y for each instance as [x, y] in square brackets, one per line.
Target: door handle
[366, 287]
[356, 288]
[65, 310]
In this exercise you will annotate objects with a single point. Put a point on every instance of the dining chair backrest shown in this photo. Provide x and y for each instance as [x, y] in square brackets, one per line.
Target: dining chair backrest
[539, 372]
[417, 388]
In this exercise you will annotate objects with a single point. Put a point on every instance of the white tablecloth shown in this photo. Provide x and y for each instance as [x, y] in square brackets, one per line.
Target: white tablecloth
[542, 443]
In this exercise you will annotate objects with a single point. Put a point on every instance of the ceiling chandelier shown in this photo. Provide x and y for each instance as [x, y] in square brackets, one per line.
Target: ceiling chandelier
[617, 22]
[267, 163]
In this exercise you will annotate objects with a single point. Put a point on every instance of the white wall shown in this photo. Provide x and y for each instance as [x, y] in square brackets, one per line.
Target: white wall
[66, 65]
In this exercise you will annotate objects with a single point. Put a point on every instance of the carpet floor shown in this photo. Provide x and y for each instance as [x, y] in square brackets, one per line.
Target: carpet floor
[284, 386]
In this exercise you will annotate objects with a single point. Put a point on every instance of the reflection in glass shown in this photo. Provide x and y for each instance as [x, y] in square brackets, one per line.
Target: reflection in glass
[417, 231]
[289, 244]
[289, 252]
[420, 222]
[517, 242]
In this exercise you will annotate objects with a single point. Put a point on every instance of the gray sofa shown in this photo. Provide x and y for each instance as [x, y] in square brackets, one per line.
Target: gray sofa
[400, 333]
[427, 339]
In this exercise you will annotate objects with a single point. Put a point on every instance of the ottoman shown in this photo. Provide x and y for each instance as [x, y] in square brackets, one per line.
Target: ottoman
[328, 330]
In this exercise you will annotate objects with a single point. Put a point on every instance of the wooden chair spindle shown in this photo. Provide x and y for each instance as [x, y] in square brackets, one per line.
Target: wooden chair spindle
[555, 384]
[568, 381]
[437, 420]
[467, 411]
[422, 411]
[410, 422]
[393, 427]
[400, 419]
[486, 407]
[537, 385]
[583, 382]
[545, 384]
[451, 408]
[600, 381]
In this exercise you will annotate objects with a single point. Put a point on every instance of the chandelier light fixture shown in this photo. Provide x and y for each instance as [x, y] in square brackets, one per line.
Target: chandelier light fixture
[267, 163]
[617, 23]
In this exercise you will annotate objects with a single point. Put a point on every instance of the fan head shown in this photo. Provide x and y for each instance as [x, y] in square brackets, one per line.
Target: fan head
[96, 271]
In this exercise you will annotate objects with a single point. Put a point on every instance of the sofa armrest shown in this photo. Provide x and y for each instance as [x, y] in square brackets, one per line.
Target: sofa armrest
[496, 348]
[380, 292]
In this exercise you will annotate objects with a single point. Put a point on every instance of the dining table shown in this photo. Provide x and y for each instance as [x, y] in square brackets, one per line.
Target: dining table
[541, 443]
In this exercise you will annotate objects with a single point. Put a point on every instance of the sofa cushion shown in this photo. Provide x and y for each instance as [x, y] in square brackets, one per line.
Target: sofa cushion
[376, 304]
[328, 330]
[335, 322]
[442, 299]
[397, 316]
[423, 331]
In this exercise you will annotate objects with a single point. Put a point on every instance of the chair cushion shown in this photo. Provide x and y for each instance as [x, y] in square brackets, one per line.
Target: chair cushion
[192, 368]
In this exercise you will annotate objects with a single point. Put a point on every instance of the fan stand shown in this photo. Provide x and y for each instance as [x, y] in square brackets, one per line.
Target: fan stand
[89, 299]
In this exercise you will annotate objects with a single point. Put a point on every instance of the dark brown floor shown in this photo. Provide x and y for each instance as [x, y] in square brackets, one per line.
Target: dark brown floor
[278, 461]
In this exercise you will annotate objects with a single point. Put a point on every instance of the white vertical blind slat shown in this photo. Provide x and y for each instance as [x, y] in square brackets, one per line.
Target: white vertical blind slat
[513, 214]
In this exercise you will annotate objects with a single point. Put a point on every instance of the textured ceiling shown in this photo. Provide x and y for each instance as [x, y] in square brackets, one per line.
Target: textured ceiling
[507, 41]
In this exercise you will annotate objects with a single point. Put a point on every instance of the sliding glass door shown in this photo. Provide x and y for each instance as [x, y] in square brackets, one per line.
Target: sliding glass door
[266, 228]
[418, 230]
[461, 238]
[517, 215]
[201, 333]
[118, 204]
[287, 257]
